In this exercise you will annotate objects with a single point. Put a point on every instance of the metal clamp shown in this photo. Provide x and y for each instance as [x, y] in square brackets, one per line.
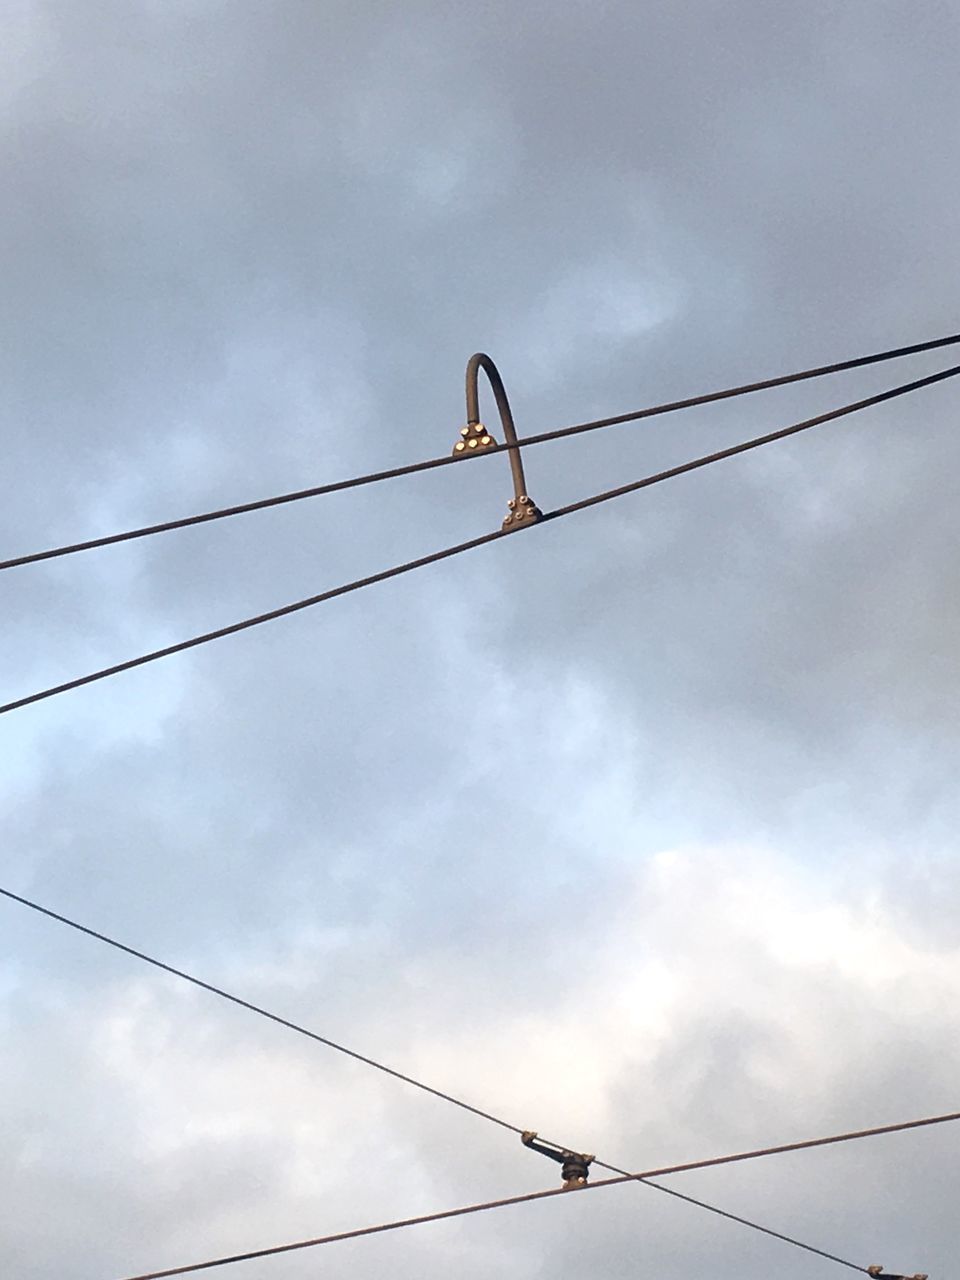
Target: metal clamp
[475, 438]
[576, 1165]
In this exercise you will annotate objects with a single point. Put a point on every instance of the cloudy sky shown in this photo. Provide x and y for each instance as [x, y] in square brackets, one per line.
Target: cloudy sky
[637, 829]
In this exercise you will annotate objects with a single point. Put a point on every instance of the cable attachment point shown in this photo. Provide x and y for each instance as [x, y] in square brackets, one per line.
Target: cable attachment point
[879, 1273]
[474, 438]
[576, 1166]
[522, 510]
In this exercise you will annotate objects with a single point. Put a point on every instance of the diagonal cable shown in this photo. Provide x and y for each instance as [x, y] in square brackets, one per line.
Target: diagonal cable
[253, 1008]
[445, 554]
[393, 473]
[731, 1217]
[560, 1191]
[732, 451]
[418, 1084]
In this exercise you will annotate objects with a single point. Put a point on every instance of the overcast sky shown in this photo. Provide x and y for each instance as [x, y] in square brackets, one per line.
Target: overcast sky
[638, 829]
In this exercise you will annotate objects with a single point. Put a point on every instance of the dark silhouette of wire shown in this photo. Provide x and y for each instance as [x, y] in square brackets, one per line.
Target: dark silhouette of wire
[447, 552]
[399, 1075]
[264, 1013]
[559, 1191]
[732, 1217]
[413, 468]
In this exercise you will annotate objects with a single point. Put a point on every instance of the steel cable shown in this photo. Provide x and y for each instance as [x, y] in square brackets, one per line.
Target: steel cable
[406, 1079]
[583, 504]
[393, 473]
[560, 1191]
[445, 554]
[247, 1004]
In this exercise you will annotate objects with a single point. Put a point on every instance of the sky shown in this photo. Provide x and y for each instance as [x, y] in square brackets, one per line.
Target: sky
[636, 829]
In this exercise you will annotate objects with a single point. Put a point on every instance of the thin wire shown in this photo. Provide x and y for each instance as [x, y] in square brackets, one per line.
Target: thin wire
[559, 1191]
[393, 473]
[733, 1217]
[264, 1013]
[371, 1062]
[447, 552]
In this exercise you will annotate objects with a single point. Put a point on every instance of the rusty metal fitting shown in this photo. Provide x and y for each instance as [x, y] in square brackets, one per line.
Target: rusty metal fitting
[575, 1165]
[474, 438]
[522, 510]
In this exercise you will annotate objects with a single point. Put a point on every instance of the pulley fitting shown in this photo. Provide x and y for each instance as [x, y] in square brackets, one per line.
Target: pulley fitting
[575, 1165]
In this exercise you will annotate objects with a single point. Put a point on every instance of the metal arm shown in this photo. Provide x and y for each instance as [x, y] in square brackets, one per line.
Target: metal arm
[475, 438]
[576, 1165]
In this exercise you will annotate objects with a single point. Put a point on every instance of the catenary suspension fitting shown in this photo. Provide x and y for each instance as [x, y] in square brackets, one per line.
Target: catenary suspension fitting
[475, 438]
[576, 1165]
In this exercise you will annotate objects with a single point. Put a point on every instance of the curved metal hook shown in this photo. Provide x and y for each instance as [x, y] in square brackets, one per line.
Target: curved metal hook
[475, 437]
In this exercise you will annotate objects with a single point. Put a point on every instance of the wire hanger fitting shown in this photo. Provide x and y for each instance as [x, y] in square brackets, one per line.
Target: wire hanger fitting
[576, 1165]
[475, 438]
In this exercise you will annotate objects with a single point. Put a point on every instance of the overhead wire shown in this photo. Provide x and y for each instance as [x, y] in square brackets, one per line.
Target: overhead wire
[254, 1008]
[731, 1217]
[580, 505]
[532, 1196]
[645, 1179]
[436, 556]
[352, 1053]
[393, 473]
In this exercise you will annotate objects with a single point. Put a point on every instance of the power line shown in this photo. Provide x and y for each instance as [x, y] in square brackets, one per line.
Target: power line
[733, 1217]
[410, 469]
[703, 461]
[559, 1191]
[264, 1013]
[399, 1075]
[393, 473]
[445, 554]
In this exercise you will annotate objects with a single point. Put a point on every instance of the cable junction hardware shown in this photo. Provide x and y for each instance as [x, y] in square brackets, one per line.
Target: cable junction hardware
[447, 552]
[393, 473]
[387, 1070]
[576, 1165]
[529, 1197]
[521, 509]
[646, 1179]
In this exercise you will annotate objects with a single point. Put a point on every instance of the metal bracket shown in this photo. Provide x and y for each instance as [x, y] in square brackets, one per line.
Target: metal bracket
[475, 438]
[879, 1274]
[576, 1165]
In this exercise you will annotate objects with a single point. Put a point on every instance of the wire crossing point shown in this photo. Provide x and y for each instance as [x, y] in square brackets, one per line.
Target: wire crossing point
[576, 1165]
[414, 468]
[446, 553]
